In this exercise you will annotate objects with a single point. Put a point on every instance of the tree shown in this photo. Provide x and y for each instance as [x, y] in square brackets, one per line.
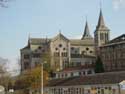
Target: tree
[99, 68]
[3, 3]
[31, 79]
[4, 75]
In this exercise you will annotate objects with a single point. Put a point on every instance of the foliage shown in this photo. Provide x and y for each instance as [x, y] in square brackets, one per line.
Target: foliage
[31, 79]
[99, 68]
[4, 76]
[46, 59]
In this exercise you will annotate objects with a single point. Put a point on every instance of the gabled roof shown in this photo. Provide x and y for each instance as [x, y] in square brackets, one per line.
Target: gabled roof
[61, 37]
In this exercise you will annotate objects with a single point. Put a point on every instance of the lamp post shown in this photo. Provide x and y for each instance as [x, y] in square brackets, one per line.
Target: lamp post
[42, 76]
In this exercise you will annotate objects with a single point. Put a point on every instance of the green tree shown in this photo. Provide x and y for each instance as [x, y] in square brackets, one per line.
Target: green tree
[99, 68]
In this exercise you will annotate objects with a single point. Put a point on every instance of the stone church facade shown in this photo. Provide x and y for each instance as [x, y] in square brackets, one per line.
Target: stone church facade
[65, 52]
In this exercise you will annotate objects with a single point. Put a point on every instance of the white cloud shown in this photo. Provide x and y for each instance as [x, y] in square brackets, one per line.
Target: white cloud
[118, 4]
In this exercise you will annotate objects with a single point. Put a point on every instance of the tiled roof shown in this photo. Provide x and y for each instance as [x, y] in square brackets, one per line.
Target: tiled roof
[104, 78]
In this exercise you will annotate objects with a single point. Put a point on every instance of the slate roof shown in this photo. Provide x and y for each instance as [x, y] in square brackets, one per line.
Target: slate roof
[76, 68]
[118, 39]
[38, 41]
[101, 24]
[82, 42]
[86, 34]
[103, 78]
[25, 48]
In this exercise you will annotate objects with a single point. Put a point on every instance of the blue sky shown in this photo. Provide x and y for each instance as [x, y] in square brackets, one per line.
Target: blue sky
[43, 18]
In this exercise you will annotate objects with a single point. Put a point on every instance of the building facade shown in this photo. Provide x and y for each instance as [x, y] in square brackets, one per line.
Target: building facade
[73, 61]
[113, 54]
[90, 84]
[66, 52]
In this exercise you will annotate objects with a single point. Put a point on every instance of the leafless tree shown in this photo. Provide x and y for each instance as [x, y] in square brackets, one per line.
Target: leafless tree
[4, 3]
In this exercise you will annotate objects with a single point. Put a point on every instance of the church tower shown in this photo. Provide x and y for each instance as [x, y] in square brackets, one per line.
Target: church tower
[101, 33]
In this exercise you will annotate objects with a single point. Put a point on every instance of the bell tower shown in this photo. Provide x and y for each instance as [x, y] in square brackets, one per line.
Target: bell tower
[101, 33]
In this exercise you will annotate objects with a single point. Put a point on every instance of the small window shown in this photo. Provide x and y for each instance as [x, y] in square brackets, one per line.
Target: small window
[66, 75]
[26, 56]
[79, 73]
[91, 51]
[64, 49]
[76, 52]
[71, 74]
[56, 49]
[36, 55]
[72, 48]
[89, 72]
[83, 52]
[43, 50]
[39, 47]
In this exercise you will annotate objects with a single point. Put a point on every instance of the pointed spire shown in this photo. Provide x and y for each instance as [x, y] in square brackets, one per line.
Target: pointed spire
[101, 19]
[29, 40]
[86, 31]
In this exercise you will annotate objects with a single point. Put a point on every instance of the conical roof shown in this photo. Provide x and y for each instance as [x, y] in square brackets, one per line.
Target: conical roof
[86, 32]
[101, 20]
